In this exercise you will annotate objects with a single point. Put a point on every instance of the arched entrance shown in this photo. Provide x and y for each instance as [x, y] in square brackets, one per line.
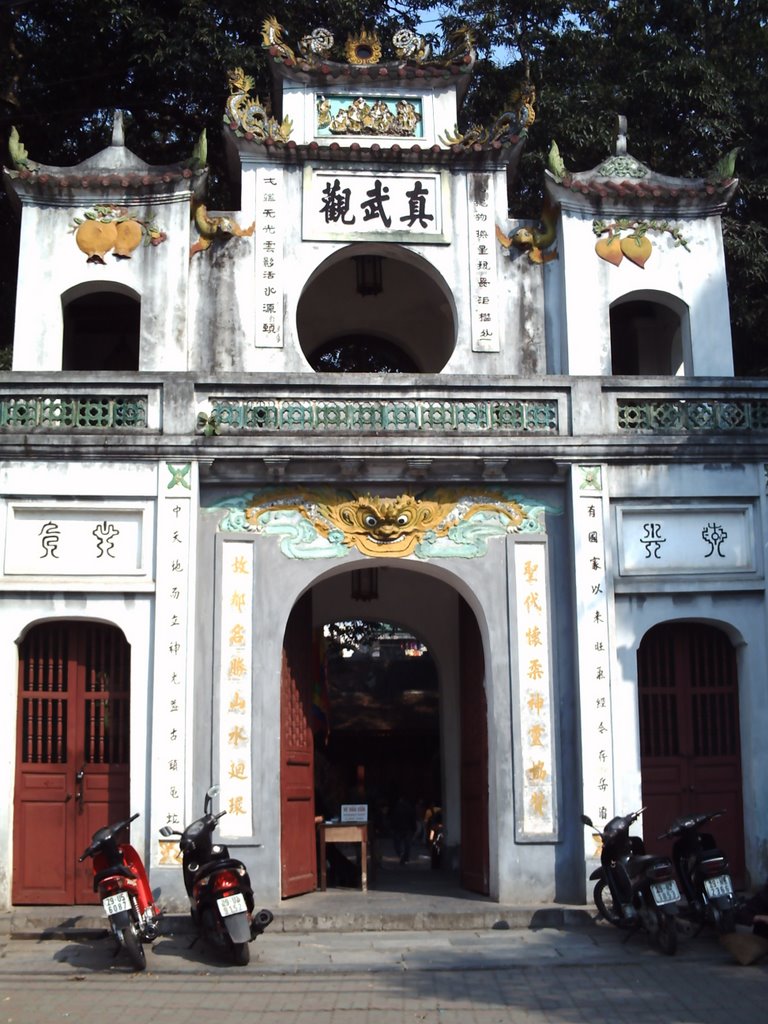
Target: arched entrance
[72, 755]
[459, 778]
[376, 309]
[689, 731]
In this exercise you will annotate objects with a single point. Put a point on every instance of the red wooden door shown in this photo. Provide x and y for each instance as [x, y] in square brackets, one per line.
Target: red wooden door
[689, 733]
[72, 764]
[474, 755]
[297, 764]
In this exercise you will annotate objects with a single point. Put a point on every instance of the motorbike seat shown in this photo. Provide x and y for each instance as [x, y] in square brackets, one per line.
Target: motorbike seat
[636, 866]
[211, 866]
[116, 869]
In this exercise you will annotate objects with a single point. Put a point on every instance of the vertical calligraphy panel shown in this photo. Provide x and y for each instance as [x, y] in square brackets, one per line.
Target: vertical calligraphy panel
[173, 664]
[235, 687]
[594, 640]
[537, 814]
[482, 264]
[268, 244]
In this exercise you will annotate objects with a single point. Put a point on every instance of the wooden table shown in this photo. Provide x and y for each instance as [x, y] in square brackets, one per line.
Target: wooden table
[344, 832]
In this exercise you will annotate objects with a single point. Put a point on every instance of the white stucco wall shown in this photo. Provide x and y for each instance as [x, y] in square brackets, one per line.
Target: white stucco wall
[589, 285]
[52, 266]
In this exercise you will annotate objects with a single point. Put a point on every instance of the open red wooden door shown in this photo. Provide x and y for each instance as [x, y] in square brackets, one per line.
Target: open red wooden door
[474, 755]
[689, 733]
[297, 767]
[72, 760]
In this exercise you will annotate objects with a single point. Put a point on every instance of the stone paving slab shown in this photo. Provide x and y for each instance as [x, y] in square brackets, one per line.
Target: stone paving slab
[548, 976]
[315, 952]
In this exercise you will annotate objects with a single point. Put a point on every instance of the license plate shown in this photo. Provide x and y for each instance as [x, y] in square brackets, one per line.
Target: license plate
[721, 885]
[114, 904]
[665, 892]
[234, 904]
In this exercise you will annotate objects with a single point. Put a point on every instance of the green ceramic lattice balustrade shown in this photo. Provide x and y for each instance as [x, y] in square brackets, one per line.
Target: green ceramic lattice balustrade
[92, 412]
[692, 414]
[517, 416]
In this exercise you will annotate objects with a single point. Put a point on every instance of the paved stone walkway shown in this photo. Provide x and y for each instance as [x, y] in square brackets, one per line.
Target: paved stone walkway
[491, 976]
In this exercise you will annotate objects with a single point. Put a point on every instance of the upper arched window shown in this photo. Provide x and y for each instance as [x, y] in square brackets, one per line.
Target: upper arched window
[646, 339]
[101, 332]
[376, 311]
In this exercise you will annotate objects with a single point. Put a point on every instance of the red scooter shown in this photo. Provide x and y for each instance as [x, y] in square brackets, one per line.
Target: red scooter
[123, 887]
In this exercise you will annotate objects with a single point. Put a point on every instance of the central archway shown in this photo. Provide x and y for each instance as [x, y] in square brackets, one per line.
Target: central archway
[401, 321]
[449, 690]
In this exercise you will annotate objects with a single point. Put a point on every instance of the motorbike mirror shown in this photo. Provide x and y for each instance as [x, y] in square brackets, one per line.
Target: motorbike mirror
[166, 831]
[209, 795]
[587, 821]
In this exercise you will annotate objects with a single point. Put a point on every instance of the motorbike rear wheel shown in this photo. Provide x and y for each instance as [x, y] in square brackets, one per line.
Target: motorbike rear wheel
[724, 920]
[606, 906]
[666, 934]
[241, 953]
[134, 948]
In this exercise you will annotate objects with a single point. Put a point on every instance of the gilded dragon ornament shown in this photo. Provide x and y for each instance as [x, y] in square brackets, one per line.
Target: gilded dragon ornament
[437, 523]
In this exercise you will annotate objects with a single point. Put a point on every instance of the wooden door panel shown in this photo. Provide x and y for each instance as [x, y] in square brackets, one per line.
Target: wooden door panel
[74, 702]
[39, 863]
[298, 851]
[689, 732]
[475, 857]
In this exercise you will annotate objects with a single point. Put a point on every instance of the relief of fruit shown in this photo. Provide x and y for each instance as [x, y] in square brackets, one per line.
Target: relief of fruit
[104, 229]
[635, 245]
[609, 249]
[95, 239]
[637, 248]
[129, 236]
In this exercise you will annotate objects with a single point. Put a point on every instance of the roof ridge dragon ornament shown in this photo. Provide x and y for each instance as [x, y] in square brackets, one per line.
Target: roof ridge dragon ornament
[248, 116]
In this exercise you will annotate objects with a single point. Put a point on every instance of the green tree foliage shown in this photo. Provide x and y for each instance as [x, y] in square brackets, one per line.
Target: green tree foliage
[690, 77]
[688, 74]
[66, 66]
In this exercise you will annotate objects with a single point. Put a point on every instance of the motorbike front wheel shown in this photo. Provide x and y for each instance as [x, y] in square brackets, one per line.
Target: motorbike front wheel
[609, 910]
[666, 934]
[134, 948]
[241, 953]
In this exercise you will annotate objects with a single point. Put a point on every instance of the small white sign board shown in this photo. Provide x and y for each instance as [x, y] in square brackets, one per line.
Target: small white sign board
[354, 812]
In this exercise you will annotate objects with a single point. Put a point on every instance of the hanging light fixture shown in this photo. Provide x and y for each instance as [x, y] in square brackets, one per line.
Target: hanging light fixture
[368, 274]
[364, 584]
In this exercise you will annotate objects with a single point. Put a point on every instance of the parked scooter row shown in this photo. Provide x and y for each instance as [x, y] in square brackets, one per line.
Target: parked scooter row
[637, 890]
[218, 886]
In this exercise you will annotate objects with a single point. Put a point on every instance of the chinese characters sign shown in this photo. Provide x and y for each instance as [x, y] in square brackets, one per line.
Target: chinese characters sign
[70, 540]
[173, 660]
[235, 687]
[347, 206]
[693, 539]
[536, 740]
[482, 258]
[268, 248]
[593, 628]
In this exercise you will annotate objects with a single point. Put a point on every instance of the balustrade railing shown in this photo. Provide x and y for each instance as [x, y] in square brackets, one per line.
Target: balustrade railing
[71, 412]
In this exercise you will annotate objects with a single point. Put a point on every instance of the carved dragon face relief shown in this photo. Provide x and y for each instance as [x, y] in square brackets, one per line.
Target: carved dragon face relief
[386, 526]
[437, 523]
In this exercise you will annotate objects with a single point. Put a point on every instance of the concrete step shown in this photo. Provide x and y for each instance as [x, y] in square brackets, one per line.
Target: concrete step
[353, 913]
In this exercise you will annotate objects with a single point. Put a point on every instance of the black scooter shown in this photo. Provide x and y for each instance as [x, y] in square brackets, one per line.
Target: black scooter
[635, 890]
[218, 886]
[703, 872]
